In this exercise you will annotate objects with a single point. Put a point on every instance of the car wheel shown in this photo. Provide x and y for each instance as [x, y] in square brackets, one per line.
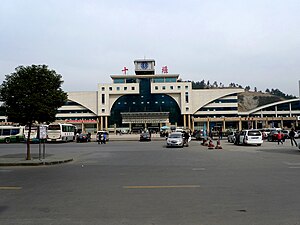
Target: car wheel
[7, 140]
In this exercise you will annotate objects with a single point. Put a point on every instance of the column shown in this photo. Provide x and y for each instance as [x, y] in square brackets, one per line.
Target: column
[98, 124]
[106, 123]
[189, 121]
[101, 123]
[224, 125]
[240, 124]
[184, 121]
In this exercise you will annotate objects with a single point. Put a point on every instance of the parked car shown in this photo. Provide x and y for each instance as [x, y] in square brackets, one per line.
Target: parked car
[83, 138]
[198, 135]
[253, 137]
[175, 139]
[285, 134]
[145, 136]
[231, 136]
[273, 135]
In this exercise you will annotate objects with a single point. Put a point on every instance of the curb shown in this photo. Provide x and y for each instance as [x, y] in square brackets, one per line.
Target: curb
[39, 163]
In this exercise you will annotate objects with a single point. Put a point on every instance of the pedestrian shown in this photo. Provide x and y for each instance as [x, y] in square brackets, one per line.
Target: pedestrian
[220, 133]
[292, 137]
[237, 138]
[279, 137]
[104, 138]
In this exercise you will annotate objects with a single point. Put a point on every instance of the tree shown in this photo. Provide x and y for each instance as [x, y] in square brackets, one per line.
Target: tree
[32, 94]
[247, 88]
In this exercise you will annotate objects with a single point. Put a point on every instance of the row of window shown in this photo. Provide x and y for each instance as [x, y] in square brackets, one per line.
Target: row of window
[154, 80]
[156, 88]
[118, 88]
[170, 87]
[219, 109]
[74, 111]
[226, 101]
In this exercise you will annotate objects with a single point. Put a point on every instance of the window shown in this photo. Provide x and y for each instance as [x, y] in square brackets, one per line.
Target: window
[103, 99]
[156, 87]
[103, 110]
[186, 87]
[125, 88]
[119, 80]
[103, 88]
[187, 109]
[178, 87]
[158, 80]
[132, 88]
[15, 131]
[110, 88]
[118, 88]
[170, 79]
[171, 87]
[164, 87]
[186, 97]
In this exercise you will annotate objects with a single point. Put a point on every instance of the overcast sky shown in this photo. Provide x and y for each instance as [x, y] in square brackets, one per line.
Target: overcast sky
[253, 42]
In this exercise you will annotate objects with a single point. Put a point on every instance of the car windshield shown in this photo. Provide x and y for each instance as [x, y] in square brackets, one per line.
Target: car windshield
[175, 136]
[254, 133]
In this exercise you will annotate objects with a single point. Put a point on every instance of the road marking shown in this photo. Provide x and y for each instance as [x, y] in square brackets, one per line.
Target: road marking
[161, 187]
[10, 188]
[198, 169]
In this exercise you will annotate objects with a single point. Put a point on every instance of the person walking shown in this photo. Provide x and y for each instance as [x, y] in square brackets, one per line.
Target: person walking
[104, 138]
[280, 137]
[292, 137]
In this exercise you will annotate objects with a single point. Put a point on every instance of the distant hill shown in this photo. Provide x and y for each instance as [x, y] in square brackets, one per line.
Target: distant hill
[249, 100]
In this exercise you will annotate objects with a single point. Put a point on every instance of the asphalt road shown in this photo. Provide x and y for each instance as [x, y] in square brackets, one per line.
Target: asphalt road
[132, 183]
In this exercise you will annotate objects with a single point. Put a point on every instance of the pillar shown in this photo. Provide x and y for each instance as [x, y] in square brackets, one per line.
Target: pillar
[106, 122]
[224, 125]
[240, 124]
[189, 121]
[98, 124]
[184, 121]
[101, 123]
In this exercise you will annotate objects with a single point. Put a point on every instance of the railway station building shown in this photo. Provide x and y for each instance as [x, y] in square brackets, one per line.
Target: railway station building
[150, 100]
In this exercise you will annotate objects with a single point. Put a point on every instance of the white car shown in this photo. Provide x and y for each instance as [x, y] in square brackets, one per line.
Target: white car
[231, 137]
[175, 139]
[251, 137]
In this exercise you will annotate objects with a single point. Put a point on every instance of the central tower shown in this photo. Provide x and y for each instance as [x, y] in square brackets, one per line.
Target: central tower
[144, 67]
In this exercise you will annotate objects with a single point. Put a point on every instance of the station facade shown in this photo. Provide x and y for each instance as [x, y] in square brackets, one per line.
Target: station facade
[150, 100]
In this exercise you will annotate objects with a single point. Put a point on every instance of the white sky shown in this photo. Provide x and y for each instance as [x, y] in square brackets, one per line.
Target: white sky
[255, 43]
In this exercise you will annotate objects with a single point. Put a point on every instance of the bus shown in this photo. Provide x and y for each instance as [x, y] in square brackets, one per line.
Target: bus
[61, 132]
[11, 134]
[34, 134]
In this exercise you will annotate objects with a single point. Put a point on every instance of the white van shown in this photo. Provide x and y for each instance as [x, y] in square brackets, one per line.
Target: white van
[252, 137]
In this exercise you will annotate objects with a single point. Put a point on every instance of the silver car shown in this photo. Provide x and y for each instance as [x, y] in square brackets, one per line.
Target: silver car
[175, 139]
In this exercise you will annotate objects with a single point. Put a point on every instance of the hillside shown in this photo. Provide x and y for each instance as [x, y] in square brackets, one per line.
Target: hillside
[249, 100]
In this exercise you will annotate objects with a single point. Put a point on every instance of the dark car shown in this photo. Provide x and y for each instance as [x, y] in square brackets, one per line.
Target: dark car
[83, 138]
[145, 137]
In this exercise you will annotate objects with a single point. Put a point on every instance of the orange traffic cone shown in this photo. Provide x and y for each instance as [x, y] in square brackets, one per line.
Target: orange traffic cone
[218, 145]
[211, 145]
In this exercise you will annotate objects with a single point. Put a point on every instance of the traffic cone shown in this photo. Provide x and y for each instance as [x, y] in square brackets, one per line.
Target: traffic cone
[218, 145]
[204, 143]
[211, 145]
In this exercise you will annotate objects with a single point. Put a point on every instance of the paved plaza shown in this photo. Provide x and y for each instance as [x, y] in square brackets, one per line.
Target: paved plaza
[131, 183]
